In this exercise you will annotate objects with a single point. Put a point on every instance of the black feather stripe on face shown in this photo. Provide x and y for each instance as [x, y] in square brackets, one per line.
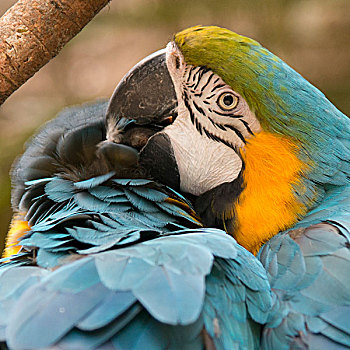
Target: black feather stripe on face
[201, 129]
[199, 78]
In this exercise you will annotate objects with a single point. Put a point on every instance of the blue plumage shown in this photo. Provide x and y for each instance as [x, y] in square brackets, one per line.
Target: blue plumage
[308, 272]
[115, 263]
[166, 276]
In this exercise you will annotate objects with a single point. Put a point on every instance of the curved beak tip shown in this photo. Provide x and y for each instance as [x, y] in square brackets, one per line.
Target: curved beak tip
[146, 93]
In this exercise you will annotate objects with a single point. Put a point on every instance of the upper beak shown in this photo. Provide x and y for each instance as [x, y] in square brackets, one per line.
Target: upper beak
[145, 95]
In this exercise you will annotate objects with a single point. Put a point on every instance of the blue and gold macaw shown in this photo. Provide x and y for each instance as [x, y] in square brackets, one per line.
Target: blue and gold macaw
[209, 211]
[266, 158]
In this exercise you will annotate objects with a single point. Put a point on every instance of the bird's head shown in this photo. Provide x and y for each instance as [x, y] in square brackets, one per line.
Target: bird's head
[253, 141]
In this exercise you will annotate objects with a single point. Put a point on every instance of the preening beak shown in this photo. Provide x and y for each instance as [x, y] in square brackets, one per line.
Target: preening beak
[142, 104]
[145, 95]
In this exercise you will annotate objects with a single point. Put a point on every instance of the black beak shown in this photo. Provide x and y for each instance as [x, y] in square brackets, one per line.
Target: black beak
[145, 95]
[142, 104]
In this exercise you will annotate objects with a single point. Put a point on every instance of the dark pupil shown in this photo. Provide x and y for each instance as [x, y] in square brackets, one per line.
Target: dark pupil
[228, 100]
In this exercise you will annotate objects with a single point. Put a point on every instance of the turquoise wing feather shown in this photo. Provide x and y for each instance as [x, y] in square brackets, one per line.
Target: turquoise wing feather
[167, 284]
[238, 301]
[107, 290]
[160, 283]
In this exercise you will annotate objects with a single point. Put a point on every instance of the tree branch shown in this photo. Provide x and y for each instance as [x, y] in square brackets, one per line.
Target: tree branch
[34, 31]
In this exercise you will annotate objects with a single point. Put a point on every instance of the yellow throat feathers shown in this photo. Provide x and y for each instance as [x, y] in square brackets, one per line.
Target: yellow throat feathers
[268, 203]
[18, 229]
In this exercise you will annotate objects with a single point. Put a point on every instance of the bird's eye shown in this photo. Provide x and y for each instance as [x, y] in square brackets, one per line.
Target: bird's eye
[227, 101]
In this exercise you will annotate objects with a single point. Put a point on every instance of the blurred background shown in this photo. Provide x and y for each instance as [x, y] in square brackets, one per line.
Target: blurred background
[312, 36]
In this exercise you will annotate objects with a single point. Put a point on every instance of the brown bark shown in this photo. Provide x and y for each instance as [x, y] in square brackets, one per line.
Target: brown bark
[34, 31]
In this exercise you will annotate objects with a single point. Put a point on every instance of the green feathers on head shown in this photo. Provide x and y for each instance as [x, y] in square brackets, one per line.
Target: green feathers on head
[237, 59]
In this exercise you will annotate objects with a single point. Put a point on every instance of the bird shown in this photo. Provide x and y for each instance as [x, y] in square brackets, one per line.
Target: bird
[203, 207]
[264, 156]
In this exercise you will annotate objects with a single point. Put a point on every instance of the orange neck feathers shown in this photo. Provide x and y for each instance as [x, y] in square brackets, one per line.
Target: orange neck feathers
[268, 203]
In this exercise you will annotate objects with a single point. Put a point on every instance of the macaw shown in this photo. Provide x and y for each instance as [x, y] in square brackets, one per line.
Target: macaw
[208, 211]
[265, 157]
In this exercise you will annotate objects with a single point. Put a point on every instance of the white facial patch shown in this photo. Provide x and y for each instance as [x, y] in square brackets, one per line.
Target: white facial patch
[213, 123]
[203, 163]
